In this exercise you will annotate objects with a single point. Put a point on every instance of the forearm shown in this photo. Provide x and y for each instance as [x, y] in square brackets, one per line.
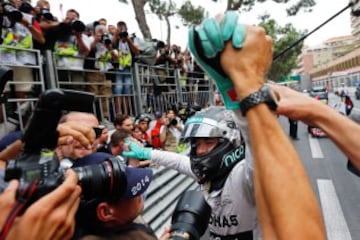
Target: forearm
[343, 131]
[172, 160]
[281, 181]
[84, 50]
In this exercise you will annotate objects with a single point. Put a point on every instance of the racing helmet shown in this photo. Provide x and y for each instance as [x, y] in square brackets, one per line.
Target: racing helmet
[214, 122]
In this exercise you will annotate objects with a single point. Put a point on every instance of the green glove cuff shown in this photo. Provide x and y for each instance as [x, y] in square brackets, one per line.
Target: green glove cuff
[211, 37]
[137, 152]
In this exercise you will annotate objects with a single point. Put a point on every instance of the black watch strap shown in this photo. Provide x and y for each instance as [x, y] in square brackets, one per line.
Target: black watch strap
[263, 95]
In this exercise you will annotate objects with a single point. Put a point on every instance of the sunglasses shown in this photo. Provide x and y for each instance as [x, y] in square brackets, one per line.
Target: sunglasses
[98, 131]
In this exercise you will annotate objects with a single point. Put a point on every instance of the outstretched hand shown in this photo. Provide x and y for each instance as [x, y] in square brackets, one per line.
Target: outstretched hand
[293, 104]
[134, 150]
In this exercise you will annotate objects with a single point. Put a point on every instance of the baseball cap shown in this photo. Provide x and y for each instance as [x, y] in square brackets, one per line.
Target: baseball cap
[138, 179]
[9, 139]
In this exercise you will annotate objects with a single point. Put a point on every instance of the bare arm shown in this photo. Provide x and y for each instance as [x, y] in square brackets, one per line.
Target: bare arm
[342, 130]
[278, 169]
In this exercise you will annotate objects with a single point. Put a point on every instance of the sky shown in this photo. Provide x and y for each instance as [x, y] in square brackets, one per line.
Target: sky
[115, 11]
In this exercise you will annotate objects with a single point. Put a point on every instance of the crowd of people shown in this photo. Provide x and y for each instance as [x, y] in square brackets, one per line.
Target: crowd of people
[97, 57]
[230, 149]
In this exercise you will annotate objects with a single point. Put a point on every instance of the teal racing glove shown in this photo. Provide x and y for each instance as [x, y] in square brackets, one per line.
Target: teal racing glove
[138, 152]
[207, 41]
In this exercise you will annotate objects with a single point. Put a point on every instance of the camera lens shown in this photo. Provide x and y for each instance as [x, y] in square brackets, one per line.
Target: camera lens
[105, 38]
[12, 13]
[103, 181]
[78, 26]
[46, 14]
[124, 34]
[191, 216]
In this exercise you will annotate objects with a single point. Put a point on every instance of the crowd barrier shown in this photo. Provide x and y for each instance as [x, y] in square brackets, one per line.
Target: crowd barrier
[154, 89]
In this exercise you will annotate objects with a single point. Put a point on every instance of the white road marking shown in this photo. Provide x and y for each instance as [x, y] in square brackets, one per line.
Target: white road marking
[335, 223]
[315, 148]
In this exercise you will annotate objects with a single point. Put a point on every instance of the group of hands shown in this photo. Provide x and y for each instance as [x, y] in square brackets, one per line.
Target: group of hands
[52, 216]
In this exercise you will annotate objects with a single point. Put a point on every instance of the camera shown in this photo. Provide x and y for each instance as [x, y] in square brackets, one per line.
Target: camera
[191, 216]
[46, 14]
[105, 39]
[124, 34]
[173, 122]
[77, 26]
[37, 166]
[13, 14]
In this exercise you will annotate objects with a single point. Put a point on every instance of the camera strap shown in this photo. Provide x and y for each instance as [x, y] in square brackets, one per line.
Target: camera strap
[21, 200]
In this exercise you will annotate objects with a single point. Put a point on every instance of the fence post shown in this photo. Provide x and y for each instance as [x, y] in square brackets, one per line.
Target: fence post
[178, 85]
[137, 90]
[50, 70]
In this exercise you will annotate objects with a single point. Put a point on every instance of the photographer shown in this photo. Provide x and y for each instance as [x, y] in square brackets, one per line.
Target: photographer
[48, 23]
[174, 127]
[116, 218]
[102, 58]
[71, 47]
[127, 50]
[51, 217]
[20, 30]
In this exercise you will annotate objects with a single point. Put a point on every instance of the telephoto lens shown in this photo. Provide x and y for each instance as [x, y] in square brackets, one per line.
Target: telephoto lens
[191, 217]
[106, 180]
[78, 26]
[46, 14]
[12, 13]
[105, 39]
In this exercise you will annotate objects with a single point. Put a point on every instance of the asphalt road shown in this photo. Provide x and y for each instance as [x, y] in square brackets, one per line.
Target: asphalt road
[337, 190]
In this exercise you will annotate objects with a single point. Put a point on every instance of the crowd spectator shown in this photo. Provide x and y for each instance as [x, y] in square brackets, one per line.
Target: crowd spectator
[127, 50]
[20, 33]
[71, 47]
[102, 58]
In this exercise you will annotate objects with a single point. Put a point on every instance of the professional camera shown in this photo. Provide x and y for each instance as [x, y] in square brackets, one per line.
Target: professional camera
[191, 216]
[124, 34]
[37, 167]
[46, 14]
[173, 122]
[13, 14]
[105, 39]
[77, 25]
[26, 7]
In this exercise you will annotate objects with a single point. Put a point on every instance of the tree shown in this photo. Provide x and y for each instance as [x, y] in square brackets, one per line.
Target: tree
[191, 14]
[247, 5]
[283, 36]
[164, 10]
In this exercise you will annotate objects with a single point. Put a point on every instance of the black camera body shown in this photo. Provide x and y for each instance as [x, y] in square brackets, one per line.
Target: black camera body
[191, 216]
[13, 14]
[37, 167]
[47, 14]
[124, 34]
[105, 39]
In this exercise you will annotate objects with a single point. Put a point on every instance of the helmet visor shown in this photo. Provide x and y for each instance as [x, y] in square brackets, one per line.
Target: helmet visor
[198, 127]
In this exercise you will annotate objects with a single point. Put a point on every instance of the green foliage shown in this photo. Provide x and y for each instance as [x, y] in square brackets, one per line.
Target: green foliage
[191, 14]
[283, 37]
[247, 5]
[162, 9]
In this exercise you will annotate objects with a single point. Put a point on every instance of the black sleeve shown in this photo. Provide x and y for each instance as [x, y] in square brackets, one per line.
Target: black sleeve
[353, 169]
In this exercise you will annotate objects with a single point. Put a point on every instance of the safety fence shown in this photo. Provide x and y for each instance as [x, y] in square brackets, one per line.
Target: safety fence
[154, 88]
[151, 88]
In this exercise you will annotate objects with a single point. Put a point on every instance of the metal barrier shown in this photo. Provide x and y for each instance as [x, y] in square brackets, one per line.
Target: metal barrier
[28, 77]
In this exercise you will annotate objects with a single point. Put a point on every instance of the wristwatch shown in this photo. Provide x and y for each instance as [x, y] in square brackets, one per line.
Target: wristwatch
[263, 95]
